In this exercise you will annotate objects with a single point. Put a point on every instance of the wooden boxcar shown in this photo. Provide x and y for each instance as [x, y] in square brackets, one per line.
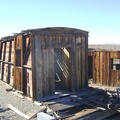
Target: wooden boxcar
[50, 60]
[104, 64]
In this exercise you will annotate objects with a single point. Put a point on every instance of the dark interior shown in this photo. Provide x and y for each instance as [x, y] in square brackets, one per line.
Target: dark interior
[62, 69]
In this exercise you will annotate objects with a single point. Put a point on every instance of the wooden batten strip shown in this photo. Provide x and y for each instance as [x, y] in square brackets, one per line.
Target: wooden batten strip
[83, 61]
[78, 62]
[17, 111]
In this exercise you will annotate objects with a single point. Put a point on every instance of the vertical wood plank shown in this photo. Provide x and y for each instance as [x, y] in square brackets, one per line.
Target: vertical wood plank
[115, 78]
[73, 64]
[46, 72]
[112, 78]
[78, 62]
[9, 59]
[0, 49]
[118, 78]
[86, 60]
[94, 66]
[107, 67]
[97, 68]
[37, 67]
[32, 39]
[22, 40]
[51, 71]
[101, 67]
[4, 51]
[103, 70]
[12, 52]
[83, 62]
[66, 66]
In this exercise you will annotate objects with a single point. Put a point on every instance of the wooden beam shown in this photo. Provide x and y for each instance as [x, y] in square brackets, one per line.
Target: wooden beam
[73, 64]
[24, 115]
[82, 113]
[83, 59]
[100, 115]
[17, 111]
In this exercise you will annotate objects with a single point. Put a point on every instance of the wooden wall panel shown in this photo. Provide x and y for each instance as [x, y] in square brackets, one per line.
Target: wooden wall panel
[7, 51]
[66, 66]
[115, 54]
[12, 53]
[83, 61]
[37, 67]
[27, 82]
[0, 49]
[27, 53]
[79, 61]
[37, 73]
[91, 53]
[118, 78]
[0, 70]
[73, 65]
[3, 51]
[101, 67]
[11, 74]
[86, 59]
[97, 67]
[29, 64]
[43, 60]
[107, 67]
[5, 76]
[94, 67]
[51, 71]
[113, 78]
[102, 71]
[46, 72]
[18, 63]
[17, 78]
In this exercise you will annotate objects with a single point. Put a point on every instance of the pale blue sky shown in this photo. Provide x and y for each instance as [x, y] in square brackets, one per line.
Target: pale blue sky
[100, 17]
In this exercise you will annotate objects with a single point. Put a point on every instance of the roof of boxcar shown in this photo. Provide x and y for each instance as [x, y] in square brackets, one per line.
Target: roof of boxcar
[104, 47]
[58, 31]
[7, 38]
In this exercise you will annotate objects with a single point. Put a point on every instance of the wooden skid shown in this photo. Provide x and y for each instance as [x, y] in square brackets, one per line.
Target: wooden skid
[95, 101]
[76, 99]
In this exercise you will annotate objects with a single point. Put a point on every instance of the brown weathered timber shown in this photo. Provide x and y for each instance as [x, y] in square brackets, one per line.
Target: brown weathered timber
[30, 59]
[105, 66]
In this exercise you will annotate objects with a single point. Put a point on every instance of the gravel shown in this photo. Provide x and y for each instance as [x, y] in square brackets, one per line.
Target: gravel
[24, 104]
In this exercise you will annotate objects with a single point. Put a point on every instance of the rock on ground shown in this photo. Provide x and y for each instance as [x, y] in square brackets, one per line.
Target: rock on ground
[23, 104]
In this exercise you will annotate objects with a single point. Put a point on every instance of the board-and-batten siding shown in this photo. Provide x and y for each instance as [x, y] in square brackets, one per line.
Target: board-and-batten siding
[103, 73]
[28, 60]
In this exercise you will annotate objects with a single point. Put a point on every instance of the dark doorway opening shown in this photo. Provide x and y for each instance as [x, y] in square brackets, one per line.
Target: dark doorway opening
[90, 67]
[62, 69]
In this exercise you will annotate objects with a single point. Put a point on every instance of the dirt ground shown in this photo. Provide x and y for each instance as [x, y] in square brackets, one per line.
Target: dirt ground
[23, 104]
[26, 105]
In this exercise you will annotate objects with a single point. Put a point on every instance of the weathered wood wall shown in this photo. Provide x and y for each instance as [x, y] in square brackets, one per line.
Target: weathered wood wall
[23, 64]
[28, 61]
[74, 67]
[6, 61]
[103, 72]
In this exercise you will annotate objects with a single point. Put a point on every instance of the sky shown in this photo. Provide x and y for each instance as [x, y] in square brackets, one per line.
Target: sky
[101, 18]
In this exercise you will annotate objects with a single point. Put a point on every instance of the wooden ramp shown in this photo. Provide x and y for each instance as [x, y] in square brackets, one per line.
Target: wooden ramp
[89, 99]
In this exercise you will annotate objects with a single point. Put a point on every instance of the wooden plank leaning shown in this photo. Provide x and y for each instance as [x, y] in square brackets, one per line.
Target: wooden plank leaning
[22, 114]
